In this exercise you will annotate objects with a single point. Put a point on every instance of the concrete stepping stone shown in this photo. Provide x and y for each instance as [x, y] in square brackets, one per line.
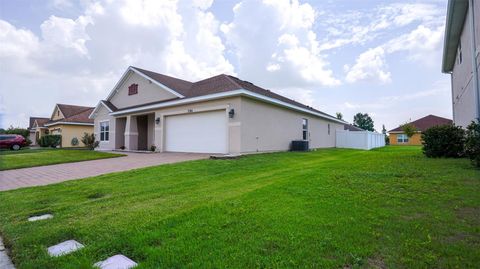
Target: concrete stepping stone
[116, 262]
[41, 217]
[64, 248]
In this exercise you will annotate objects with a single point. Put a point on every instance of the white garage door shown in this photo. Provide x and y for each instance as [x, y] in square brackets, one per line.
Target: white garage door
[204, 132]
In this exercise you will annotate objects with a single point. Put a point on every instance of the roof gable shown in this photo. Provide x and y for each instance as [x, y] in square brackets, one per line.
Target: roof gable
[158, 79]
[70, 114]
[105, 104]
[57, 113]
[426, 122]
[70, 110]
[145, 88]
[33, 121]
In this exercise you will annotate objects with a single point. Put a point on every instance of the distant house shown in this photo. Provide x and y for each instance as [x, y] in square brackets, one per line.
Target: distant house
[461, 54]
[398, 137]
[351, 127]
[36, 128]
[69, 121]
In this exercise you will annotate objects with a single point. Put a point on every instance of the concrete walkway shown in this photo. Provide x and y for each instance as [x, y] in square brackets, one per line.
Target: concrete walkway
[44, 175]
[5, 262]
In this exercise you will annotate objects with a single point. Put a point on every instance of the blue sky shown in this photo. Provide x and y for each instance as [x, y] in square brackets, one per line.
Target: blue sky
[376, 57]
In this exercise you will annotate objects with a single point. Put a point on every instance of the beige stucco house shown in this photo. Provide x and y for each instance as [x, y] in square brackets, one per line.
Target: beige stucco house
[69, 121]
[221, 114]
[37, 129]
[461, 55]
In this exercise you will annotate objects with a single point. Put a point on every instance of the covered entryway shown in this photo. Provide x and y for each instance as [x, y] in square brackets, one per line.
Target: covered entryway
[139, 132]
[203, 132]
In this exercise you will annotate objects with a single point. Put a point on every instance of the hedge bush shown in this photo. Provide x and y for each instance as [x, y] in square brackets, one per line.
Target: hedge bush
[444, 141]
[472, 143]
[50, 141]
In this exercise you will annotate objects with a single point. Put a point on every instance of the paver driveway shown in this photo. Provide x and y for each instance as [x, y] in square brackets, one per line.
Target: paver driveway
[44, 175]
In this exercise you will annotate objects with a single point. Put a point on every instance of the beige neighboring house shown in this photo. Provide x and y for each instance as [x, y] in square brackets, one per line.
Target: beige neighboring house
[220, 114]
[37, 129]
[461, 55]
[69, 121]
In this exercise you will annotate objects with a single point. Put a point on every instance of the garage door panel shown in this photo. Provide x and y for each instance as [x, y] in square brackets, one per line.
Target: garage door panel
[204, 132]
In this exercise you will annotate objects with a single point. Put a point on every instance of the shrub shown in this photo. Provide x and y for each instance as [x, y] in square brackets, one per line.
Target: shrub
[387, 140]
[50, 141]
[74, 141]
[89, 140]
[444, 141]
[472, 143]
[153, 148]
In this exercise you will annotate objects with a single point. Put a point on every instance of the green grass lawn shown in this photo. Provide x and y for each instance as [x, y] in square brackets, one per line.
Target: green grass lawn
[10, 159]
[333, 208]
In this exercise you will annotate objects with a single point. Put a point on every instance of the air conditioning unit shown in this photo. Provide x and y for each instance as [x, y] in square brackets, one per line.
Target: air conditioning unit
[299, 145]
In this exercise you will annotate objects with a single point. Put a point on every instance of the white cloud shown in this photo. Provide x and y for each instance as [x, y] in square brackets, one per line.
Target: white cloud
[65, 33]
[357, 28]
[423, 44]
[78, 60]
[406, 13]
[61, 4]
[304, 96]
[17, 48]
[278, 36]
[369, 66]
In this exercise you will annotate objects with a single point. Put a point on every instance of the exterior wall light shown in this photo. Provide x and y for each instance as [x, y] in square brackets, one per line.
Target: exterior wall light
[231, 113]
[157, 121]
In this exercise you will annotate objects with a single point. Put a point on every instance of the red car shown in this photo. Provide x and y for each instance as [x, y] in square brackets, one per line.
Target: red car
[11, 141]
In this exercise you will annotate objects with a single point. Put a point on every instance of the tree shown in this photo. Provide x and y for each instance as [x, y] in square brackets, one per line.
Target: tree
[384, 132]
[15, 130]
[363, 121]
[409, 129]
[339, 116]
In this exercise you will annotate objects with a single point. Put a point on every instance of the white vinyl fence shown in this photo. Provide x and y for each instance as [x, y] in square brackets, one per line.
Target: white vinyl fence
[359, 139]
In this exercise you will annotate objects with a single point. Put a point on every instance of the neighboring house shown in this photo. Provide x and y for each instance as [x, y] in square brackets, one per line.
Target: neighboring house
[69, 121]
[221, 114]
[461, 55]
[398, 137]
[351, 127]
[37, 129]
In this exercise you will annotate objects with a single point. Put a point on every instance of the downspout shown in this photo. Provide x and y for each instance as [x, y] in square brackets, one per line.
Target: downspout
[476, 90]
[453, 96]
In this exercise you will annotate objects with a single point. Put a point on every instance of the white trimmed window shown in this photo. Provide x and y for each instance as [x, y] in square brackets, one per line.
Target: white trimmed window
[104, 130]
[305, 129]
[402, 138]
